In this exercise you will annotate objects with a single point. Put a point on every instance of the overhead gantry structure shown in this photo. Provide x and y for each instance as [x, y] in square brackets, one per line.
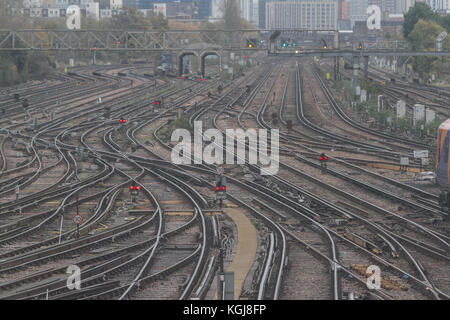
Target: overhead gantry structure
[201, 43]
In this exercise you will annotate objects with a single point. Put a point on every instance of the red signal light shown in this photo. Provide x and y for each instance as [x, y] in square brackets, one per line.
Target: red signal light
[94, 48]
[131, 187]
[326, 158]
[201, 79]
[118, 42]
[138, 188]
[321, 158]
[224, 188]
[181, 77]
[217, 188]
[245, 57]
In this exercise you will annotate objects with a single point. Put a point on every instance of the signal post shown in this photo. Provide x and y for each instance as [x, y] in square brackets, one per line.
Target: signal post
[221, 187]
[323, 159]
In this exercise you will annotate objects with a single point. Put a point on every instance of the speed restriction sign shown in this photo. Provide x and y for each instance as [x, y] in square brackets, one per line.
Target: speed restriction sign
[77, 219]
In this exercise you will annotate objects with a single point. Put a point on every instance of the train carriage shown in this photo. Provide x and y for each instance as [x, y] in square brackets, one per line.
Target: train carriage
[442, 163]
[442, 155]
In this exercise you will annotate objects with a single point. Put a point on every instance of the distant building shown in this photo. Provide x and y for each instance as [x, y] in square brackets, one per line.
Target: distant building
[83, 4]
[392, 26]
[103, 4]
[174, 9]
[204, 9]
[130, 3]
[394, 6]
[62, 4]
[160, 8]
[35, 12]
[51, 12]
[357, 10]
[28, 4]
[344, 25]
[439, 4]
[404, 5]
[115, 4]
[93, 10]
[18, 11]
[48, 3]
[306, 14]
[105, 13]
[250, 11]
[197, 9]
[390, 6]
[215, 9]
[343, 10]
[262, 14]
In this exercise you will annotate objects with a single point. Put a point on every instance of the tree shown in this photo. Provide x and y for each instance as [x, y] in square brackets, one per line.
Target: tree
[418, 11]
[424, 34]
[246, 25]
[130, 19]
[230, 14]
[423, 38]
[159, 22]
[445, 22]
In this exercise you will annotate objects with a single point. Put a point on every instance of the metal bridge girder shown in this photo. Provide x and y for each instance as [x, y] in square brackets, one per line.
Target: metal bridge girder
[139, 40]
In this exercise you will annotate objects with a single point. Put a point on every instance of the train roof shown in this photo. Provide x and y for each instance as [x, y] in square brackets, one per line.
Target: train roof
[445, 125]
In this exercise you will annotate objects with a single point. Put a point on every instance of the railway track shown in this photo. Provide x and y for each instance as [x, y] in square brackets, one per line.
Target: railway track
[295, 207]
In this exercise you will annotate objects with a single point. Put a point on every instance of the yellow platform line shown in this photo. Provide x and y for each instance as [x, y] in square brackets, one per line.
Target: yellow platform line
[392, 167]
[247, 244]
[171, 202]
[190, 212]
[179, 213]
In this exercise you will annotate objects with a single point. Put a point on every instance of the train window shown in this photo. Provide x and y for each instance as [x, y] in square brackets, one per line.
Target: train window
[446, 150]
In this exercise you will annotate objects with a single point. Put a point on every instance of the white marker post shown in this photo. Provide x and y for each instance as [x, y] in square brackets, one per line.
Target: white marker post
[404, 162]
[60, 228]
[422, 155]
[77, 219]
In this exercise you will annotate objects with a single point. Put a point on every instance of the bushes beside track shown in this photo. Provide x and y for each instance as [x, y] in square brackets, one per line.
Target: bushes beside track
[166, 132]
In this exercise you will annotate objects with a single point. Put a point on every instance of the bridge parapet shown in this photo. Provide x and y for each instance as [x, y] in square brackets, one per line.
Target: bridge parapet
[171, 40]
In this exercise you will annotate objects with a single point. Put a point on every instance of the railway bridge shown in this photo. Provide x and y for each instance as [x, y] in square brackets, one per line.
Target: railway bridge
[203, 43]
